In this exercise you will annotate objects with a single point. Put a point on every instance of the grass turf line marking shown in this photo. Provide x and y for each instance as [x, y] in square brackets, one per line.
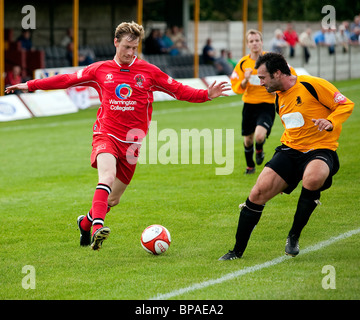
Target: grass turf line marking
[241, 272]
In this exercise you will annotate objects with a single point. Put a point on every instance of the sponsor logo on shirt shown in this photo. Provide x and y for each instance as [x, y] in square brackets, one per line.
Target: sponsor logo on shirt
[109, 78]
[123, 91]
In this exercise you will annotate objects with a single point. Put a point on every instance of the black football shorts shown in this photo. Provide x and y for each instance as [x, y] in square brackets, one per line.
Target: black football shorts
[253, 115]
[290, 164]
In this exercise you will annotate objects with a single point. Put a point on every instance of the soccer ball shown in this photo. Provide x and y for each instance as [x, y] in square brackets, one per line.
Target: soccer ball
[155, 239]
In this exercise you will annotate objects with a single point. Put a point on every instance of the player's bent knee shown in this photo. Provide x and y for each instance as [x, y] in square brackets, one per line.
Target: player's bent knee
[113, 202]
[313, 182]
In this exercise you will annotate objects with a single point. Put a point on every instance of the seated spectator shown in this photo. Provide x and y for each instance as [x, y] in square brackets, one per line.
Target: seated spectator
[222, 65]
[278, 44]
[355, 36]
[169, 44]
[231, 60]
[154, 43]
[68, 38]
[13, 77]
[355, 23]
[85, 56]
[178, 39]
[25, 40]
[208, 53]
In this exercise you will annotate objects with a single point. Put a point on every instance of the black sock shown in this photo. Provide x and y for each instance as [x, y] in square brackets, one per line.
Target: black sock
[249, 154]
[249, 216]
[306, 205]
[259, 146]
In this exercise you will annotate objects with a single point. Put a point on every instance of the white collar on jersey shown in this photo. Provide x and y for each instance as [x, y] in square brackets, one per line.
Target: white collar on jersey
[135, 57]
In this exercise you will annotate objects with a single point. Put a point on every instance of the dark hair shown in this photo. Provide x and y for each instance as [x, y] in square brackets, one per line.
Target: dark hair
[273, 62]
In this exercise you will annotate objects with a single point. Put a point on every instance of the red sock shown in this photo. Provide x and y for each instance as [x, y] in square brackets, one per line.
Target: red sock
[100, 206]
[86, 223]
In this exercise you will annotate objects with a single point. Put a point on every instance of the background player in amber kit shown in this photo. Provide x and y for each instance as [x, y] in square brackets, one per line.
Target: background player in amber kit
[258, 112]
[125, 86]
[312, 111]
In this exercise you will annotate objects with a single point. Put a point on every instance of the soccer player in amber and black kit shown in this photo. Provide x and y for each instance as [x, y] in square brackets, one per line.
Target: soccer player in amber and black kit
[125, 86]
[258, 112]
[312, 111]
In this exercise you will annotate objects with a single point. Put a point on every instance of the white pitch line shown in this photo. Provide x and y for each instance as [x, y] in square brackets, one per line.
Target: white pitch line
[241, 272]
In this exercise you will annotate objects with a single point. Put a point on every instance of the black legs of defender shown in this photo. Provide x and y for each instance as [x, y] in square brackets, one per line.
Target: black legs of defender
[250, 215]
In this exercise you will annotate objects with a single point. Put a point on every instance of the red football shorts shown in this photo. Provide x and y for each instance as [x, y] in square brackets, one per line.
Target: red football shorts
[126, 155]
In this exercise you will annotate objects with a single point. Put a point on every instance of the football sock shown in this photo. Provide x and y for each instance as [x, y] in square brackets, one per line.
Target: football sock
[307, 203]
[259, 146]
[86, 223]
[249, 154]
[100, 206]
[249, 217]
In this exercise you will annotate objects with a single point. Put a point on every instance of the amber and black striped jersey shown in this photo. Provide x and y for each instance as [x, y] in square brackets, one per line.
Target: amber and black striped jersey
[253, 93]
[311, 98]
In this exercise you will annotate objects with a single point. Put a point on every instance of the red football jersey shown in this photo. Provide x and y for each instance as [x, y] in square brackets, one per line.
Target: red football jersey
[125, 92]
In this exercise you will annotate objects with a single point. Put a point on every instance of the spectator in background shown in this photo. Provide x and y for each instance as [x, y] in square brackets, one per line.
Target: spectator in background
[222, 65]
[278, 44]
[306, 41]
[208, 52]
[178, 39]
[154, 43]
[68, 38]
[355, 36]
[355, 23]
[169, 44]
[291, 37]
[346, 25]
[231, 60]
[86, 56]
[330, 40]
[25, 40]
[319, 37]
[13, 77]
[343, 37]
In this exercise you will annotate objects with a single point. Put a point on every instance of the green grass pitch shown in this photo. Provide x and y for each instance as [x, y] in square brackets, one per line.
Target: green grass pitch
[46, 181]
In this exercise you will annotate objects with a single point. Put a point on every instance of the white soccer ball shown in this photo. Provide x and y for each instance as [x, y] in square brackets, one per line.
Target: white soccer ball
[155, 239]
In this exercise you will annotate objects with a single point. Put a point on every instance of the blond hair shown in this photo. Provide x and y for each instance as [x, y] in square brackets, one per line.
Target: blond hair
[253, 31]
[131, 29]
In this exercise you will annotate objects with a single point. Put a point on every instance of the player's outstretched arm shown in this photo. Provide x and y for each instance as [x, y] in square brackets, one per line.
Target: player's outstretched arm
[217, 90]
[20, 86]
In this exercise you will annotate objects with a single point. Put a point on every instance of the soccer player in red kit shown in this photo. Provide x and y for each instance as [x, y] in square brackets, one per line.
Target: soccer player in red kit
[125, 86]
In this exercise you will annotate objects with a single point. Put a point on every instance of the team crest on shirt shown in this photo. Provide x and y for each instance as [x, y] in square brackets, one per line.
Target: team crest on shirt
[299, 102]
[139, 79]
[339, 98]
